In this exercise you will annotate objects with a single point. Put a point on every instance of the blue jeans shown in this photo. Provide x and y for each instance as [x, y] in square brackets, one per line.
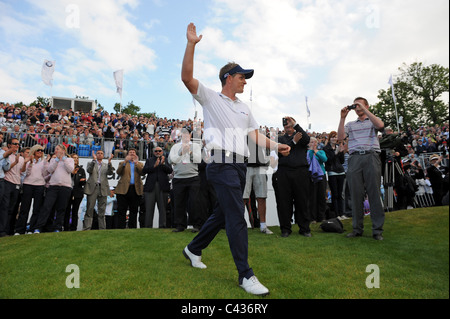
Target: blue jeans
[229, 183]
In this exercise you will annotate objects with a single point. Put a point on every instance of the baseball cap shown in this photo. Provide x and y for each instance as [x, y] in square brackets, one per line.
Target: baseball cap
[238, 70]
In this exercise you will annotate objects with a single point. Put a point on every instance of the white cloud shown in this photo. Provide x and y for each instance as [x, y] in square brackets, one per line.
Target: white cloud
[89, 40]
[348, 47]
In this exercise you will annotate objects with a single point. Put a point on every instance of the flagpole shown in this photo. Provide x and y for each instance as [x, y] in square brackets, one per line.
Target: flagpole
[391, 82]
[51, 100]
[308, 113]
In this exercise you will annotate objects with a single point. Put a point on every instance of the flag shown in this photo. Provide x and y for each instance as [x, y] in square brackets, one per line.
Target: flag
[392, 88]
[47, 72]
[307, 108]
[118, 78]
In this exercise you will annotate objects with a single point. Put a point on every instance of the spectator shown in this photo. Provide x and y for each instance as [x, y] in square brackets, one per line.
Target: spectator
[435, 174]
[97, 189]
[108, 135]
[364, 166]
[121, 146]
[129, 189]
[157, 187]
[78, 181]
[318, 188]
[35, 167]
[185, 157]
[336, 173]
[256, 179]
[59, 189]
[291, 176]
[5, 166]
[421, 148]
[12, 185]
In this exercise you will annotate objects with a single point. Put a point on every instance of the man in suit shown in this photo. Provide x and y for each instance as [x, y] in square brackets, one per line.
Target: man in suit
[97, 189]
[156, 187]
[129, 189]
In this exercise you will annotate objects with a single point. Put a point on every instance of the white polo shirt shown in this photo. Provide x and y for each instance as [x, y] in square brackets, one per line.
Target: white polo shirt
[226, 122]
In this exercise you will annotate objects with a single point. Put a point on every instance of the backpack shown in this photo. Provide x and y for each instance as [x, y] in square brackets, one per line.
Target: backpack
[333, 225]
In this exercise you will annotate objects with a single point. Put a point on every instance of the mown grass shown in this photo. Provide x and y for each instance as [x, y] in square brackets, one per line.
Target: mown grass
[148, 264]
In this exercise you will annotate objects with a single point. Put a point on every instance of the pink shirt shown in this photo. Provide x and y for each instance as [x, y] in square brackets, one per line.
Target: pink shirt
[13, 175]
[35, 174]
[61, 170]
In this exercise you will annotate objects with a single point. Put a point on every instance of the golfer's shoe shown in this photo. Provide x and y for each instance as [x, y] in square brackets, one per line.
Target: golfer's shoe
[196, 261]
[253, 286]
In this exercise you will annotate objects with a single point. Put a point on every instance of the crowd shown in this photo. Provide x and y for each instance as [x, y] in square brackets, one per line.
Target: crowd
[163, 164]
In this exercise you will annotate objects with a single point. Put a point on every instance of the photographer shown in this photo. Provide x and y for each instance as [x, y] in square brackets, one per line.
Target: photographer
[293, 180]
[364, 165]
[392, 151]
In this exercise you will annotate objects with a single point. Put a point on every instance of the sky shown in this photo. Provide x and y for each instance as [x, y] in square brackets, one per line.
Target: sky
[329, 51]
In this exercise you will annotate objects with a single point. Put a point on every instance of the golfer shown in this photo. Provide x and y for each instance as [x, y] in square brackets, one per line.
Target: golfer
[227, 123]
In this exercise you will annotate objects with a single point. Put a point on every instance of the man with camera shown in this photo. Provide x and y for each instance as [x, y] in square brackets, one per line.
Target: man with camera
[293, 180]
[364, 165]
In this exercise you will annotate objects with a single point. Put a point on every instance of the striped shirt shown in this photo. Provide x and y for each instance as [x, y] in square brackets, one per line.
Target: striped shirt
[362, 136]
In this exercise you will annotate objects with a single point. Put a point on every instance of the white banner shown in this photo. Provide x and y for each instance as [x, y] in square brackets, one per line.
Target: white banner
[47, 72]
[118, 78]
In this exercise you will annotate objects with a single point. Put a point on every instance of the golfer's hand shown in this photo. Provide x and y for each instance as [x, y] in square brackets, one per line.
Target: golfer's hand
[191, 34]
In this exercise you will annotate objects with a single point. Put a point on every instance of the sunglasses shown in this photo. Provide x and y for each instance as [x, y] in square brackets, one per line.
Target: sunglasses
[156, 151]
[14, 143]
[39, 150]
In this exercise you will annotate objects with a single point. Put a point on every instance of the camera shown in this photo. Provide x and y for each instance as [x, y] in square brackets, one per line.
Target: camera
[285, 121]
[352, 107]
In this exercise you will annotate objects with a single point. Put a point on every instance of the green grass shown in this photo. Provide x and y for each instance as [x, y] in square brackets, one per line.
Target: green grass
[147, 263]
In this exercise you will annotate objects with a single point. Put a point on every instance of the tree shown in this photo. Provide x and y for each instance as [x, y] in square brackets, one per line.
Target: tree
[130, 109]
[41, 100]
[419, 91]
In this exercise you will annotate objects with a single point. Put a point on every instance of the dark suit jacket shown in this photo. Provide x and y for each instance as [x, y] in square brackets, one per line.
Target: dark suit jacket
[159, 173]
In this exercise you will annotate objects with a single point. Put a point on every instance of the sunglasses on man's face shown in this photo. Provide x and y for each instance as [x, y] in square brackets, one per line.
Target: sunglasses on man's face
[14, 143]
[157, 151]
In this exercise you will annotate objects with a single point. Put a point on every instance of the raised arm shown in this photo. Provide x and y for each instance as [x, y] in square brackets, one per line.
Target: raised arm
[187, 69]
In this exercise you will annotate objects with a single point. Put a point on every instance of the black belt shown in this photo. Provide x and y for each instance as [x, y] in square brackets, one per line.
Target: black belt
[233, 157]
[363, 152]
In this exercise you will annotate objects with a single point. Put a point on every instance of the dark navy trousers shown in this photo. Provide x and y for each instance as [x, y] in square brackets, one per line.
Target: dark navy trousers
[228, 180]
